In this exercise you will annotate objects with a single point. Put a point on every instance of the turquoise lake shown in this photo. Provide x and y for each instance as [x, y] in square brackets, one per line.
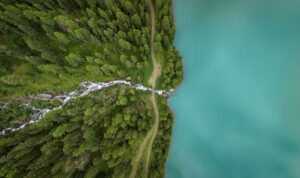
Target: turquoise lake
[237, 113]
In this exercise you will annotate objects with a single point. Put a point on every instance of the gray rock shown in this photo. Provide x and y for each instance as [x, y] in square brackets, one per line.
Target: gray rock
[128, 78]
[43, 97]
[59, 98]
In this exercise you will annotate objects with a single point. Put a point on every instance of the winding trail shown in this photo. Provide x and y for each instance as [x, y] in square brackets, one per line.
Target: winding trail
[149, 139]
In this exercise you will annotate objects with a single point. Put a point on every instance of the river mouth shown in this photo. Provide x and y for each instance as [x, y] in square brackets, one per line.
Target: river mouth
[237, 112]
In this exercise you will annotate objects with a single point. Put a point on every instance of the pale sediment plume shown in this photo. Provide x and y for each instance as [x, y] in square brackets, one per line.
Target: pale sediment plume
[86, 88]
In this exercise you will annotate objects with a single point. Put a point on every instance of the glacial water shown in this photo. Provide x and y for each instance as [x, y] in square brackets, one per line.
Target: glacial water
[238, 109]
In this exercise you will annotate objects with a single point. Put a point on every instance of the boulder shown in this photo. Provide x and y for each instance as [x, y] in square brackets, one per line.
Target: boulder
[43, 97]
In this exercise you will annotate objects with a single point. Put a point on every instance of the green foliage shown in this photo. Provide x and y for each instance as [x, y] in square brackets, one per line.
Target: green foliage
[13, 115]
[44, 104]
[171, 73]
[162, 141]
[57, 39]
[166, 23]
[95, 134]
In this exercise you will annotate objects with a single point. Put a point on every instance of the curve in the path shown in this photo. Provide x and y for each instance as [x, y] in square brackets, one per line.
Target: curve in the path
[149, 139]
[156, 73]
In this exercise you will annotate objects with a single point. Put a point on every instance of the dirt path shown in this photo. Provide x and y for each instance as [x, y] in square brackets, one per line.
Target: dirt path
[136, 160]
[149, 139]
[155, 75]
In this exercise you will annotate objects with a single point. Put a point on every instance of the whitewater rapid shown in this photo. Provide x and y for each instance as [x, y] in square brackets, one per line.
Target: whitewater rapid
[85, 88]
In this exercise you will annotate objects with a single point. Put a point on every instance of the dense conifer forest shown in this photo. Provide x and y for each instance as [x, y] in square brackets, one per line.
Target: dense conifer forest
[50, 47]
